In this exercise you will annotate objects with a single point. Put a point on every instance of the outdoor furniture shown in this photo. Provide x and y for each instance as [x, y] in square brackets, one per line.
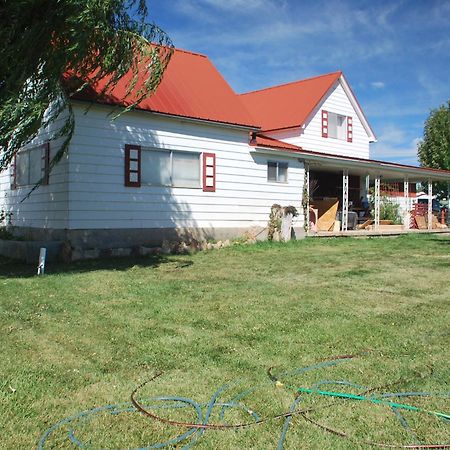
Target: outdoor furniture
[326, 213]
[352, 219]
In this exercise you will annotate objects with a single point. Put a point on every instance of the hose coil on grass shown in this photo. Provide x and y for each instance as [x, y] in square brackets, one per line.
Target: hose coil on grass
[203, 411]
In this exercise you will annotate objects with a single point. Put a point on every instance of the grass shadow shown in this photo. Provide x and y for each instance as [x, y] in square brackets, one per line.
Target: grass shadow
[11, 268]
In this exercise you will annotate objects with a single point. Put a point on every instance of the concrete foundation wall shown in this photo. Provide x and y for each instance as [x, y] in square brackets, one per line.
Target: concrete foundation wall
[114, 238]
[28, 251]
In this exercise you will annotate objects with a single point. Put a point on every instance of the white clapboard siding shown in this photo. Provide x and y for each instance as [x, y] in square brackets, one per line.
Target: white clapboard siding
[98, 198]
[310, 138]
[47, 206]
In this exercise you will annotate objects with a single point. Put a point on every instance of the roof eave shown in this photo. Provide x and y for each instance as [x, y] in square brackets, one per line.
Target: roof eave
[418, 173]
[355, 103]
[246, 127]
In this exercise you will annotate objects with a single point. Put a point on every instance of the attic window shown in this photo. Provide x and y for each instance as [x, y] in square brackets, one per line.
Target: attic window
[337, 126]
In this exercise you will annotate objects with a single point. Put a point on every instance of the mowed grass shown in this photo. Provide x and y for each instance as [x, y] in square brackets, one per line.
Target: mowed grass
[86, 334]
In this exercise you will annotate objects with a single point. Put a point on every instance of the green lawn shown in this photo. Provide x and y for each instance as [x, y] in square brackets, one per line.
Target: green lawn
[86, 334]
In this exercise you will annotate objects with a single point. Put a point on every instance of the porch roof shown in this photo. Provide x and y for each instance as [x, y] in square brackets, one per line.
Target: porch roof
[361, 166]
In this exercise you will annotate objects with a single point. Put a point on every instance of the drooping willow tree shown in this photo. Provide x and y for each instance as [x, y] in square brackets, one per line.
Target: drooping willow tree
[42, 41]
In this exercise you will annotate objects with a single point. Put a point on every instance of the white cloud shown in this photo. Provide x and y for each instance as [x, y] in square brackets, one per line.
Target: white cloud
[392, 134]
[243, 5]
[378, 84]
[385, 150]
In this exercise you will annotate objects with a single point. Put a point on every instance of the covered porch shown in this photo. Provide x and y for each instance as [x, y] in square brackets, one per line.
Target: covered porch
[352, 196]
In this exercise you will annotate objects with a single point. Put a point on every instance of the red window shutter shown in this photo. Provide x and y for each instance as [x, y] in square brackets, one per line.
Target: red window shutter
[45, 163]
[209, 172]
[13, 173]
[324, 123]
[132, 165]
[349, 129]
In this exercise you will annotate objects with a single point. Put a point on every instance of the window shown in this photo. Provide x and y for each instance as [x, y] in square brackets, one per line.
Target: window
[31, 165]
[170, 168]
[337, 126]
[277, 172]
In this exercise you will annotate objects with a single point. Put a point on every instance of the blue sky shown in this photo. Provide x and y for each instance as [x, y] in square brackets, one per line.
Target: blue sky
[395, 54]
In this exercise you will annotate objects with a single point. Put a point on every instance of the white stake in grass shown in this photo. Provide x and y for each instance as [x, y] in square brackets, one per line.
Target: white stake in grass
[41, 266]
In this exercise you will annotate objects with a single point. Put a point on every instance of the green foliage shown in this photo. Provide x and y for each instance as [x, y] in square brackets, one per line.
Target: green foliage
[274, 221]
[434, 148]
[390, 211]
[43, 43]
[5, 219]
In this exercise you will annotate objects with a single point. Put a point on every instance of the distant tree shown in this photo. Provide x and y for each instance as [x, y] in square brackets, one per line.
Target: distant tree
[42, 41]
[434, 148]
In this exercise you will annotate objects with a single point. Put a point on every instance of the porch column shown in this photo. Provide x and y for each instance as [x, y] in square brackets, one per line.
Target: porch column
[448, 198]
[344, 215]
[407, 204]
[306, 194]
[377, 202]
[430, 204]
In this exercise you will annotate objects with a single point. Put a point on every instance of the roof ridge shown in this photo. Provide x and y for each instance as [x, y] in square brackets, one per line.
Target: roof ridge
[189, 52]
[293, 82]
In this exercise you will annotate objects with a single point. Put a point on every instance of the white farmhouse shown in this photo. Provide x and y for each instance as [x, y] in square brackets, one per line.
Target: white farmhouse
[196, 159]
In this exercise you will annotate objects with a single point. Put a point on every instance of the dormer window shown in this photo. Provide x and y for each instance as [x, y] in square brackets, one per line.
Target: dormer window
[337, 126]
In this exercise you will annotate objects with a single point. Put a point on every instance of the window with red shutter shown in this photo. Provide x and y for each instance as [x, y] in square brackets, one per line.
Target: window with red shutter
[209, 172]
[132, 165]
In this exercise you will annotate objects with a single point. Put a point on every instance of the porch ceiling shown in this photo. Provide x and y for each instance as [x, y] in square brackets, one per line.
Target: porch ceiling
[374, 168]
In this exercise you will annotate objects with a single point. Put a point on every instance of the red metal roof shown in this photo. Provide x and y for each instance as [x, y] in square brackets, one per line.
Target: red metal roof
[288, 105]
[261, 140]
[191, 87]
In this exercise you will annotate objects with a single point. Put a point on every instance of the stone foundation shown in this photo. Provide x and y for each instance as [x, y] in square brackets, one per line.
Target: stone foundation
[73, 245]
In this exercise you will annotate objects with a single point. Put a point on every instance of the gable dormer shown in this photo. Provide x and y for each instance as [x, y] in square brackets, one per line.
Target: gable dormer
[320, 114]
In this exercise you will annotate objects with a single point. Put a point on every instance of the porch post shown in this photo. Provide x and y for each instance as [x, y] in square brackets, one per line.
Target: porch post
[344, 215]
[377, 202]
[448, 198]
[407, 204]
[307, 193]
[430, 204]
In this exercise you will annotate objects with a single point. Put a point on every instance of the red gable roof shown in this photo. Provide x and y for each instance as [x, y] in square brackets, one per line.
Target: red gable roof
[191, 87]
[288, 105]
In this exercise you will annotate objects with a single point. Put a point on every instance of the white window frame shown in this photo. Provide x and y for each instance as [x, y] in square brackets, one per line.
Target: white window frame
[341, 132]
[277, 163]
[171, 152]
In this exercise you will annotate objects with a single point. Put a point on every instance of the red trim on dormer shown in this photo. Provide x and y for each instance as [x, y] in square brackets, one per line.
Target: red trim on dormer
[349, 129]
[209, 172]
[129, 172]
[324, 123]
